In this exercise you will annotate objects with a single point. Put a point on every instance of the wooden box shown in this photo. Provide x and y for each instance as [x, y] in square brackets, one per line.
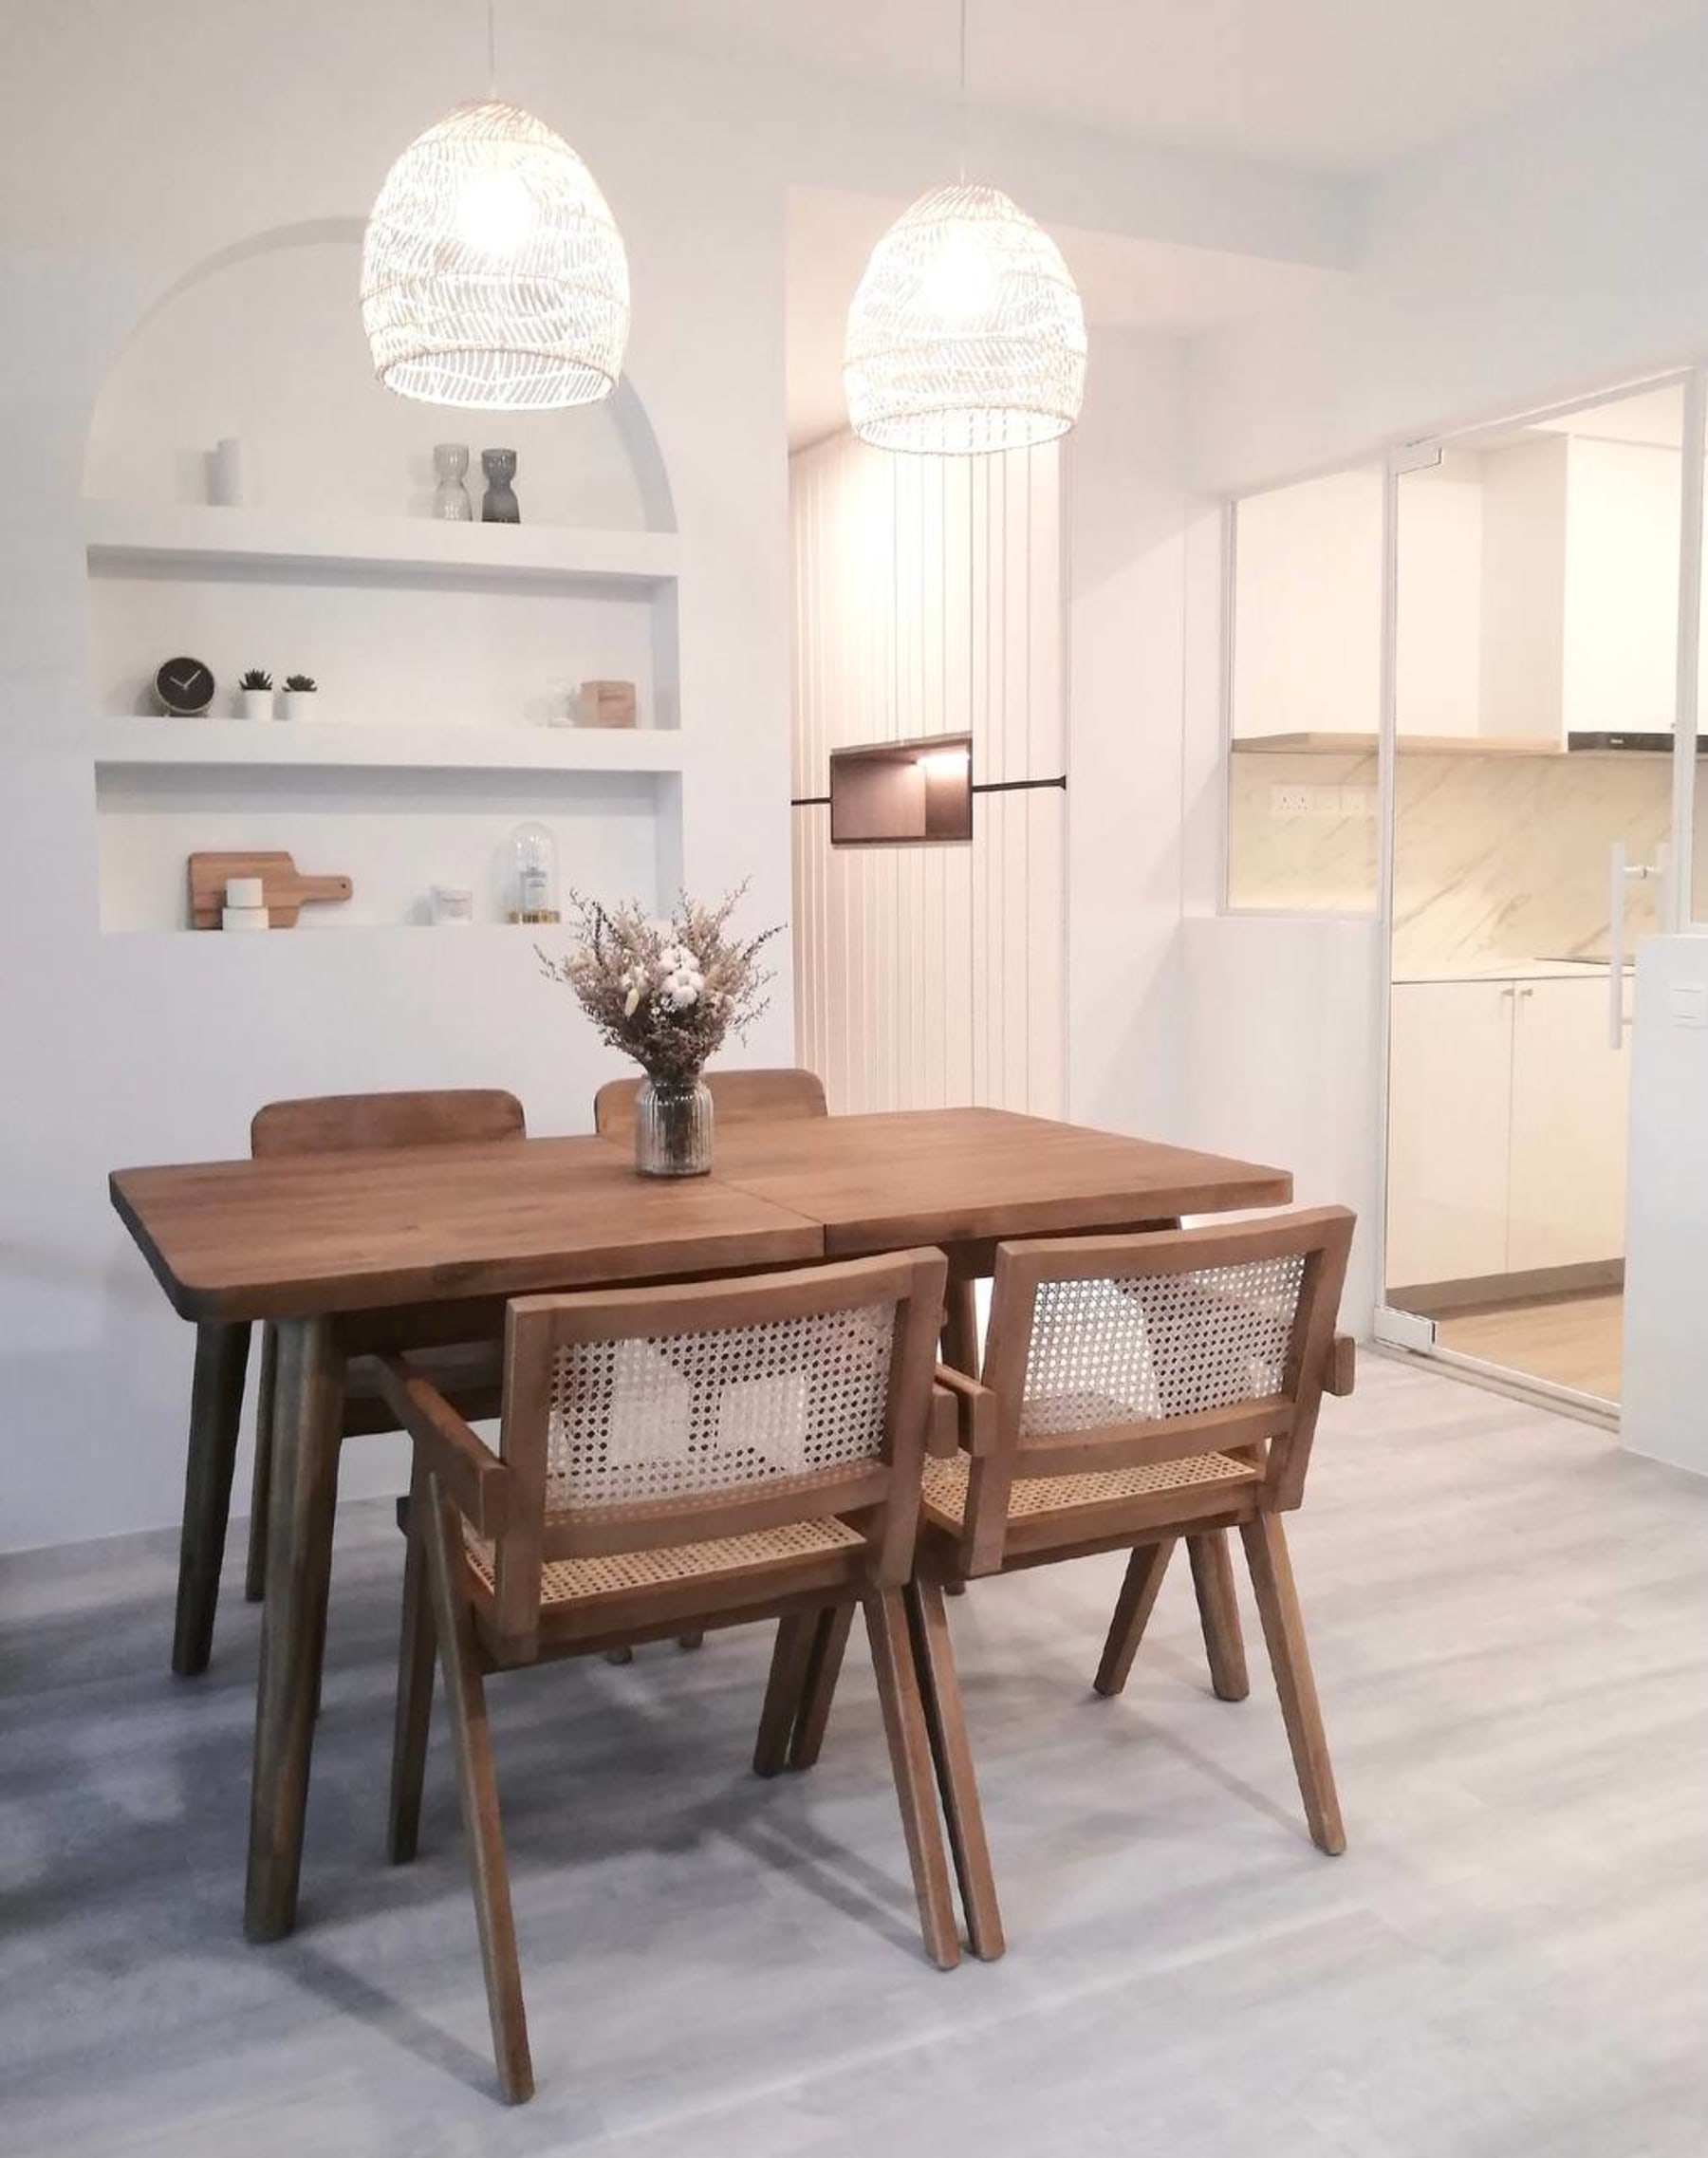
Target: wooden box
[605, 704]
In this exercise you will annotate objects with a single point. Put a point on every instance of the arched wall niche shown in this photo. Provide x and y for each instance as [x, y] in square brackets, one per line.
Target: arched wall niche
[263, 341]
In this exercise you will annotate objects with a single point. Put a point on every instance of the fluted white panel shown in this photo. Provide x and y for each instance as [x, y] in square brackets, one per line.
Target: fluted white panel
[928, 599]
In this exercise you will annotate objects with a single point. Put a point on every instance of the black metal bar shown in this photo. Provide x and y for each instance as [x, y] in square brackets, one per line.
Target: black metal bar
[1017, 786]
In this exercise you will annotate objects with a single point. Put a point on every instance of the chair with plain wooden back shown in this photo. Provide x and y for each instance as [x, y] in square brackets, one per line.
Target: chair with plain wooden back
[737, 1097]
[710, 1454]
[346, 1124]
[324, 1124]
[1135, 1389]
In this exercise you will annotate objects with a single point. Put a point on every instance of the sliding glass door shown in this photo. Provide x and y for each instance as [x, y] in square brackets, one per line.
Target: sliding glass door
[1541, 626]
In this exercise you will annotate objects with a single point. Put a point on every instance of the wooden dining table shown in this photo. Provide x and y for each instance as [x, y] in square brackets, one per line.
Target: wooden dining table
[353, 1253]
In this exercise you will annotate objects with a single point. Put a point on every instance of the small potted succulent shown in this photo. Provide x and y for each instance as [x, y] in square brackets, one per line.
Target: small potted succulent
[256, 695]
[298, 690]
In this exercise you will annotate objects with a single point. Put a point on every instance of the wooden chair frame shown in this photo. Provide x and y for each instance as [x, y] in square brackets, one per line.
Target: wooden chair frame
[787, 1090]
[502, 1497]
[321, 1124]
[1273, 1436]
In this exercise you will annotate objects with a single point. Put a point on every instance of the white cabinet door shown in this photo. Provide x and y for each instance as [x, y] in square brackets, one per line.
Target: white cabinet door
[1449, 1130]
[1569, 1111]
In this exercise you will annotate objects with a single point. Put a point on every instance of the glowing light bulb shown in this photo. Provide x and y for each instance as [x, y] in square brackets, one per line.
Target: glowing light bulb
[959, 281]
[495, 211]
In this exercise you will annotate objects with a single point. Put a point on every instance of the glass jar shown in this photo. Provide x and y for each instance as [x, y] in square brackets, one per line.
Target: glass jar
[533, 875]
[673, 1128]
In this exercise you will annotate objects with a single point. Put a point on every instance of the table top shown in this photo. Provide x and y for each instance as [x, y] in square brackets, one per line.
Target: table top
[905, 1177]
[349, 1231]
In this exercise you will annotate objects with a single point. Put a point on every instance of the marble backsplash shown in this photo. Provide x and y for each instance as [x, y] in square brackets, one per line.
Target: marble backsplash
[1498, 858]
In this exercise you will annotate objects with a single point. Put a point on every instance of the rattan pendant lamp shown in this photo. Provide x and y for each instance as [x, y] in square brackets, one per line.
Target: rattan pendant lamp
[967, 334]
[493, 273]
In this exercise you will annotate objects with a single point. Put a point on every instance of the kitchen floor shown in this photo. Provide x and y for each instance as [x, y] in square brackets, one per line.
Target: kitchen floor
[1509, 1619]
[1566, 1341]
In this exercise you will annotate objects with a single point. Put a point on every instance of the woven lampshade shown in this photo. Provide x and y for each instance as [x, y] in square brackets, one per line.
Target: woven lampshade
[492, 274]
[966, 334]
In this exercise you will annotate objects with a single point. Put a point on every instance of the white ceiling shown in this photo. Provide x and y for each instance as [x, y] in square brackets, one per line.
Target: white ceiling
[1330, 85]
[1124, 282]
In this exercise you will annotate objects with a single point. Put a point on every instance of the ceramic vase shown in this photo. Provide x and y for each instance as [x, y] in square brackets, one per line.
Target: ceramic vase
[451, 497]
[297, 704]
[673, 1128]
[499, 505]
[254, 703]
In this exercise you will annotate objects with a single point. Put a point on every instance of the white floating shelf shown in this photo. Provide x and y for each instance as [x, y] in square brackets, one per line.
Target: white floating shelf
[312, 744]
[116, 532]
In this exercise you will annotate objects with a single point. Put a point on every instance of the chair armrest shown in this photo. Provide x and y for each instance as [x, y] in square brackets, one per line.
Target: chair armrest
[974, 1413]
[466, 1466]
[1341, 1373]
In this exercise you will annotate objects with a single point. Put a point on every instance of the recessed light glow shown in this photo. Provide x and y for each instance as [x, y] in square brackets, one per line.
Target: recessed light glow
[944, 764]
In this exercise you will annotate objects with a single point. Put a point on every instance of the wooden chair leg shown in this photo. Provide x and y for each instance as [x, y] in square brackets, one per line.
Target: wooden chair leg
[824, 1668]
[789, 1659]
[254, 1578]
[1218, 1613]
[477, 1790]
[415, 1689]
[910, 1762]
[216, 1405]
[1284, 1634]
[946, 1725]
[1145, 1572]
[960, 1327]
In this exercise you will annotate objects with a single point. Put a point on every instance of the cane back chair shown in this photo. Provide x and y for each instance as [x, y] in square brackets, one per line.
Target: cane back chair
[1136, 1389]
[698, 1455]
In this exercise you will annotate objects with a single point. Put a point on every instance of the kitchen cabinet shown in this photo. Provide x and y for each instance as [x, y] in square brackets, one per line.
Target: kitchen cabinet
[1507, 1129]
[1567, 1188]
[1449, 1130]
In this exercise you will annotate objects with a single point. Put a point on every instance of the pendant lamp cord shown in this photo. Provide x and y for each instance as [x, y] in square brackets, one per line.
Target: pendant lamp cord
[963, 92]
[492, 50]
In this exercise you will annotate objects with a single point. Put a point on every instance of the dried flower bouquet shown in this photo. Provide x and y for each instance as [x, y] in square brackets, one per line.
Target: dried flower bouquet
[665, 992]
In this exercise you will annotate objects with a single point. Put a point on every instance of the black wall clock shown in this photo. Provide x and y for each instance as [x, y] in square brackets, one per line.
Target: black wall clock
[184, 687]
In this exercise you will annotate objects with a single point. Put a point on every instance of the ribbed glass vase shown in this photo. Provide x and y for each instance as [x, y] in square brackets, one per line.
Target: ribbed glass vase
[673, 1128]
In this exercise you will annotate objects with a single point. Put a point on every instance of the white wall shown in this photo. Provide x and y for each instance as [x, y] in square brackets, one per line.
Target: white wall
[1129, 552]
[1262, 1086]
[1665, 1411]
[136, 1048]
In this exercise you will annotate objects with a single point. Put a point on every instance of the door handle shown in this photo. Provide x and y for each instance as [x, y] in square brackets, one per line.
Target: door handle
[1622, 874]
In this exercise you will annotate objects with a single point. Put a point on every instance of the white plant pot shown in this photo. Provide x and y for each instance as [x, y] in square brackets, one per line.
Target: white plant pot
[297, 704]
[254, 704]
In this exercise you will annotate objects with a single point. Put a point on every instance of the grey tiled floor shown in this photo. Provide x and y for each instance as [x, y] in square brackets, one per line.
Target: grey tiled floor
[1511, 1629]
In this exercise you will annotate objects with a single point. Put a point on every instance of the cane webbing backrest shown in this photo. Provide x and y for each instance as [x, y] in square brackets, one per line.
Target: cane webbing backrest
[635, 1419]
[659, 1417]
[1107, 1354]
[1130, 1350]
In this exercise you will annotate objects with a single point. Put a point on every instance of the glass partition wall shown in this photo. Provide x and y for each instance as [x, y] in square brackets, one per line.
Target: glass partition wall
[1454, 692]
[1537, 588]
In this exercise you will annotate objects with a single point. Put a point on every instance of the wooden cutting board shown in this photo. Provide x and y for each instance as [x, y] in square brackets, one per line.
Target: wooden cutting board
[282, 890]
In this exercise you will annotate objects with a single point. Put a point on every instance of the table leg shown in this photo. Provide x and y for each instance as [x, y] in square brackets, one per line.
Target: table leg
[307, 1419]
[216, 1405]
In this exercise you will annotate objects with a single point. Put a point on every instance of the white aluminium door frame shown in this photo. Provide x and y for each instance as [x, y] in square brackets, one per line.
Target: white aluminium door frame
[1405, 1329]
